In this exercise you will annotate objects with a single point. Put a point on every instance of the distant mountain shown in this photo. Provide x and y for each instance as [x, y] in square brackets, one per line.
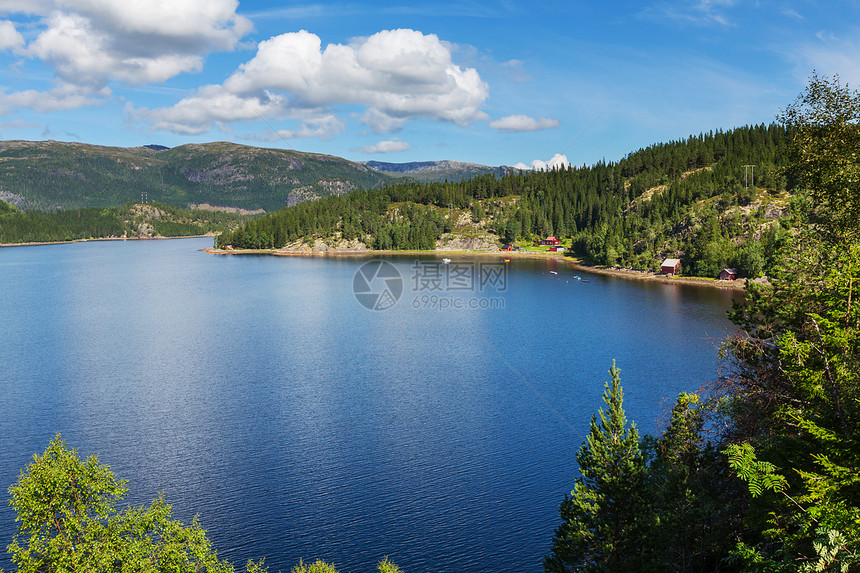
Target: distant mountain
[433, 171]
[50, 175]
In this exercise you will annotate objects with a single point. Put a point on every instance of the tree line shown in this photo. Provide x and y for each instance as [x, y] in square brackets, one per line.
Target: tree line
[680, 199]
[17, 226]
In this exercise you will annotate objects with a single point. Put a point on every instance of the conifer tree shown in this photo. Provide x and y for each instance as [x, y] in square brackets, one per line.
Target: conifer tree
[605, 516]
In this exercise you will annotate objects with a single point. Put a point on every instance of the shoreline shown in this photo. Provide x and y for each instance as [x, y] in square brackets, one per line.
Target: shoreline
[629, 274]
[72, 241]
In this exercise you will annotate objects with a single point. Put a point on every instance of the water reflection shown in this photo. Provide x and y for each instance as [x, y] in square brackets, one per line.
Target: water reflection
[257, 392]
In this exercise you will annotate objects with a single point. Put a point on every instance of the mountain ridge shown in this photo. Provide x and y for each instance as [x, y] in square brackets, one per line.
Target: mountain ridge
[438, 171]
[50, 175]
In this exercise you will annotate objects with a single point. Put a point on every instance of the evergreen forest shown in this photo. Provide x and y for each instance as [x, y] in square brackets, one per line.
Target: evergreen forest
[715, 200]
[132, 221]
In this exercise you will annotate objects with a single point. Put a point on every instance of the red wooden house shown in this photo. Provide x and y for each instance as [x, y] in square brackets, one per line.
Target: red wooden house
[728, 274]
[551, 241]
[671, 267]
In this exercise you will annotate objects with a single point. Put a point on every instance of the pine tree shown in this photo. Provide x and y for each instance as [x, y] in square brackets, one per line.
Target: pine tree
[606, 514]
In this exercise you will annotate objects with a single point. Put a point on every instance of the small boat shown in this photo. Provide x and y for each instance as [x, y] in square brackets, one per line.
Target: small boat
[446, 260]
[554, 272]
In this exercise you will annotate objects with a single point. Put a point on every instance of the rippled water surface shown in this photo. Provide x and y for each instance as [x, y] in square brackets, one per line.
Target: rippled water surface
[258, 393]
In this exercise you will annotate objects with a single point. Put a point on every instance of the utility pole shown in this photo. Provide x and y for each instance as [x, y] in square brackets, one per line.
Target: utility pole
[749, 170]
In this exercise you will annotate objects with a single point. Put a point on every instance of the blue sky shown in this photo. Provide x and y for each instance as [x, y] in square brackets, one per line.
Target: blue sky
[498, 83]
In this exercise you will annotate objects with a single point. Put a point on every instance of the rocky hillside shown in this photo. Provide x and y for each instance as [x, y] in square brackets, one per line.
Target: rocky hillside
[49, 175]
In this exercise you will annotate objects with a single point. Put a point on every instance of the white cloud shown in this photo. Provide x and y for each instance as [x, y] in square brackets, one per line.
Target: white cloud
[214, 105]
[63, 97]
[391, 146]
[9, 36]
[381, 122]
[319, 125]
[180, 25]
[29, 7]
[828, 56]
[558, 160]
[210, 105]
[90, 43]
[521, 123]
[699, 12]
[82, 54]
[396, 75]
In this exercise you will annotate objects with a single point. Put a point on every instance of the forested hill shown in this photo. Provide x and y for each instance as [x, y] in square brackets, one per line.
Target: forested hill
[49, 175]
[131, 221]
[699, 199]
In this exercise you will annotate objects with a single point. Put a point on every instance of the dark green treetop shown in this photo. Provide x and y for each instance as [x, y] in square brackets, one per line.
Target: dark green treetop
[604, 517]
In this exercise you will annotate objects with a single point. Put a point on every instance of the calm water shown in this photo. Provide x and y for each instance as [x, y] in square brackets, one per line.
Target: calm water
[258, 393]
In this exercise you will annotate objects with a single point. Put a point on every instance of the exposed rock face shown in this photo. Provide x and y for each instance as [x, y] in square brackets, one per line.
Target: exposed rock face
[322, 246]
[146, 230]
[774, 212]
[208, 207]
[147, 211]
[222, 175]
[480, 242]
[301, 195]
[336, 187]
[13, 199]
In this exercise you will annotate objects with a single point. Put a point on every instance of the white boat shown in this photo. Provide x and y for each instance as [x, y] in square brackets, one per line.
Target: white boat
[554, 272]
[446, 261]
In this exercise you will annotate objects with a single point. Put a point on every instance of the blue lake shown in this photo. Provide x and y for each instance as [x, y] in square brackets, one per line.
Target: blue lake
[257, 392]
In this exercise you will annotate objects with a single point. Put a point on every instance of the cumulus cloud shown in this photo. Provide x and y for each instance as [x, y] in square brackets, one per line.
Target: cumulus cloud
[60, 98]
[522, 123]
[396, 75]
[558, 160]
[90, 43]
[135, 42]
[210, 105]
[390, 146]
[9, 36]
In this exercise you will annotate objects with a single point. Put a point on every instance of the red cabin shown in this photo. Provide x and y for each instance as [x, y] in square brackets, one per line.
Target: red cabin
[551, 241]
[671, 267]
